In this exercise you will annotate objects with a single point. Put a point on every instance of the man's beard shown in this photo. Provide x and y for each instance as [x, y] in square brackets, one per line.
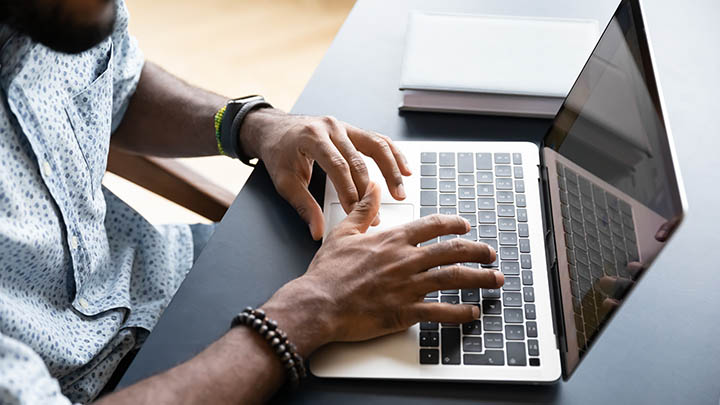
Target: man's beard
[52, 27]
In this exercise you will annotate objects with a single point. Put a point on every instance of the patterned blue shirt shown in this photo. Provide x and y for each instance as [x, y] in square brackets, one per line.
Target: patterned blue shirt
[83, 277]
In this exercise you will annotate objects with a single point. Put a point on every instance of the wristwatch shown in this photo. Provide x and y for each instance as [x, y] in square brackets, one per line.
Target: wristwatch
[235, 112]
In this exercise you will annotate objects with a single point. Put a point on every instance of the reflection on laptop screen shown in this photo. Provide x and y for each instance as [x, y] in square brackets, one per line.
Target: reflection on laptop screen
[622, 199]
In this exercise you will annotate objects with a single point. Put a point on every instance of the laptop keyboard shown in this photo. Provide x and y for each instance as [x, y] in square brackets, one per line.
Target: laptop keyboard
[487, 189]
[600, 239]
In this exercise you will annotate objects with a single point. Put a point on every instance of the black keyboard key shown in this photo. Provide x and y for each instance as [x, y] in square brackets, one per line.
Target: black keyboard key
[516, 354]
[531, 329]
[527, 277]
[533, 347]
[429, 356]
[512, 299]
[429, 339]
[510, 268]
[491, 293]
[450, 299]
[465, 162]
[492, 323]
[502, 158]
[493, 340]
[428, 198]
[511, 284]
[428, 183]
[489, 358]
[428, 325]
[513, 315]
[470, 295]
[534, 362]
[483, 161]
[450, 345]
[530, 311]
[447, 159]
[529, 294]
[514, 332]
[472, 328]
[491, 307]
[506, 224]
[472, 344]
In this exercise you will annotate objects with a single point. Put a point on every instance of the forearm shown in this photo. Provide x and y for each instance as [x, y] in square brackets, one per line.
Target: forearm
[168, 117]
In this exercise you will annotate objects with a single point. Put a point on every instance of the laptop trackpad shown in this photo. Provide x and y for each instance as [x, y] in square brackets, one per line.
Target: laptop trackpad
[391, 215]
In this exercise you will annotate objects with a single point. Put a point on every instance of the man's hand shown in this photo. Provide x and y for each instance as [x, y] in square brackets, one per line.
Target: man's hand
[360, 285]
[289, 144]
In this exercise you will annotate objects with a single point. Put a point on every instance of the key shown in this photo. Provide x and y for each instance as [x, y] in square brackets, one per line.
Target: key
[466, 206]
[450, 299]
[484, 189]
[447, 173]
[428, 183]
[527, 278]
[447, 159]
[431, 339]
[505, 197]
[505, 210]
[512, 299]
[472, 344]
[510, 268]
[428, 325]
[447, 186]
[487, 217]
[503, 184]
[483, 161]
[487, 231]
[508, 238]
[450, 345]
[533, 347]
[490, 307]
[493, 340]
[466, 192]
[491, 293]
[517, 158]
[530, 311]
[502, 158]
[471, 218]
[503, 171]
[506, 224]
[489, 358]
[534, 361]
[525, 262]
[428, 157]
[529, 294]
[508, 253]
[428, 170]
[524, 245]
[470, 295]
[523, 230]
[531, 329]
[425, 211]
[466, 180]
[448, 200]
[428, 197]
[519, 186]
[484, 177]
[472, 328]
[522, 215]
[465, 162]
[492, 323]
[429, 356]
[486, 203]
[513, 315]
[448, 210]
[513, 332]
[472, 235]
[431, 294]
[511, 284]
[516, 353]
[518, 172]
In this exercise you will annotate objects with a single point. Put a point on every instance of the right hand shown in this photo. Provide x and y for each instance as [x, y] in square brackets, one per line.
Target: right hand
[361, 286]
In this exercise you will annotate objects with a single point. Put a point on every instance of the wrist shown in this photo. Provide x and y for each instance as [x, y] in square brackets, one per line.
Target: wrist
[255, 124]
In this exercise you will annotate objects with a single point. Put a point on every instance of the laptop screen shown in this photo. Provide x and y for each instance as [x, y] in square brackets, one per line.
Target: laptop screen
[620, 190]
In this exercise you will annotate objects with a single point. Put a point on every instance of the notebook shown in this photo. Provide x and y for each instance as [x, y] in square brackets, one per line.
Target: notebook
[492, 64]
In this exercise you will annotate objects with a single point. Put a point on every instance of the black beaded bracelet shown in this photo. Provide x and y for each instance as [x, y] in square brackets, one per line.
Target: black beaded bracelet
[268, 329]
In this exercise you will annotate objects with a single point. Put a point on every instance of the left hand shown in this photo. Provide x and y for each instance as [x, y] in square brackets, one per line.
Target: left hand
[289, 144]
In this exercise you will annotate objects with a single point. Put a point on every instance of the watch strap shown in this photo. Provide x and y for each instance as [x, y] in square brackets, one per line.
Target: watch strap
[235, 113]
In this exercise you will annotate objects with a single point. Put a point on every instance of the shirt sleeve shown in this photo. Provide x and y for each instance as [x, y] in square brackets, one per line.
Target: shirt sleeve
[128, 62]
[24, 379]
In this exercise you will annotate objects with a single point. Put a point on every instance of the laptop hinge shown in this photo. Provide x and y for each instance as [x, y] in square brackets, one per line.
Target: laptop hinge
[551, 255]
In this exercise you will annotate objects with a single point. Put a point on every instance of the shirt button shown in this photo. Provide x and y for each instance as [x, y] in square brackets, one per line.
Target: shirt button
[73, 242]
[83, 302]
[46, 168]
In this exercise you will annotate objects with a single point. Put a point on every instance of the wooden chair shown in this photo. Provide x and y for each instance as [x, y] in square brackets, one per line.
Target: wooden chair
[173, 181]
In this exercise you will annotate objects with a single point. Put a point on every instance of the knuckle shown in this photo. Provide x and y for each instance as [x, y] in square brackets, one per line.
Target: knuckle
[329, 120]
[381, 144]
[435, 221]
[357, 164]
[459, 246]
[338, 162]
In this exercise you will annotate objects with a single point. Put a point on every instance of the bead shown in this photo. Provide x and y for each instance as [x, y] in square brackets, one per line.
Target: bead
[289, 364]
[291, 347]
[280, 349]
[282, 334]
[248, 309]
[285, 357]
[270, 335]
[256, 324]
[272, 324]
[260, 314]
[263, 329]
[275, 342]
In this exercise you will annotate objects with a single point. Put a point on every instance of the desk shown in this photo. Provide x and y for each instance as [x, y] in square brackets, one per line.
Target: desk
[662, 346]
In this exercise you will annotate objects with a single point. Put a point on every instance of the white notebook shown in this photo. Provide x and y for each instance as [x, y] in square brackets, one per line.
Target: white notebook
[491, 64]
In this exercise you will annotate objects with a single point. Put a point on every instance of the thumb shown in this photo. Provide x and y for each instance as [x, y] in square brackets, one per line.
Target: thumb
[364, 212]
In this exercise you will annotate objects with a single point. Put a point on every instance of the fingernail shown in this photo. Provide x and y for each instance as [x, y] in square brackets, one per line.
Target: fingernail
[499, 278]
[401, 191]
[476, 311]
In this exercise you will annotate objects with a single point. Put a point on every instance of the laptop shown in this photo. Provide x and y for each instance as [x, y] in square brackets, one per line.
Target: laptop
[576, 222]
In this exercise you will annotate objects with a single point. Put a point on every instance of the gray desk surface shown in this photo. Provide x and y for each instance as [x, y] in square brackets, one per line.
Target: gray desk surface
[663, 345]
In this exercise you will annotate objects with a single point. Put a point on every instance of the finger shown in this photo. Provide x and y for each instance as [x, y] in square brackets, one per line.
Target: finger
[364, 212]
[400, 158]
[455, 277]
[377, 147]
[452, 251]
[440, 312]
[433, 226]
[358, 170]
[337, 169]
[296, 193]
